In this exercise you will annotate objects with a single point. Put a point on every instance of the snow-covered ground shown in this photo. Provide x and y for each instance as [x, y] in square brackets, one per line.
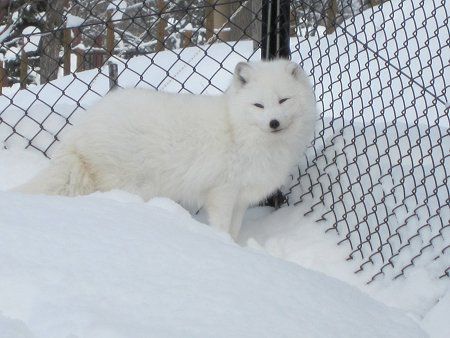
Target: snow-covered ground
[109, 265]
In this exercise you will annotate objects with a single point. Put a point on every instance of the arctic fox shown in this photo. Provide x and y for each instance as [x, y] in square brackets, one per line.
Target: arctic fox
[221, 152]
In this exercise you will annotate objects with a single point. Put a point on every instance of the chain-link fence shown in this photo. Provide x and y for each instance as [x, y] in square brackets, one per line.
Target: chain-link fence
[56, 55]
[377, 167]
[378, 171]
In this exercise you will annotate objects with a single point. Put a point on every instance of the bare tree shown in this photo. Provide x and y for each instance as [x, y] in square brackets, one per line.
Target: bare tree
[51, 42]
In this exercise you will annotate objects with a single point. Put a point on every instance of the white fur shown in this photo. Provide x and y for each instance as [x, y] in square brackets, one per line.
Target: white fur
[213, 151]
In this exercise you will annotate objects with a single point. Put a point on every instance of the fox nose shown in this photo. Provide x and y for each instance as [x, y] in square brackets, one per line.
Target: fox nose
[274, 124]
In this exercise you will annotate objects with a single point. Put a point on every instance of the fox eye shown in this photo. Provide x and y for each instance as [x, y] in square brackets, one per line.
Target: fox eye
[283, 100]
[259, 105]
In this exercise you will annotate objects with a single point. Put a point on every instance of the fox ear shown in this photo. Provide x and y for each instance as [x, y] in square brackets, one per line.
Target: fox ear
[242, 73]
[294, 70]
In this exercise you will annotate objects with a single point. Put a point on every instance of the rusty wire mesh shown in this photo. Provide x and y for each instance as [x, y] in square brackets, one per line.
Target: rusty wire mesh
[377, 170]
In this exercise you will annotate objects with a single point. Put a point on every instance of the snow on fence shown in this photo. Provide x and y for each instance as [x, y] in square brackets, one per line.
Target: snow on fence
[377, 170]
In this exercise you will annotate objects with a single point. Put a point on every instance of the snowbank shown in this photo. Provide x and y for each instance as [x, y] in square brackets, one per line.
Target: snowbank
[96, 267]
[13, 328]
[436, 321]
[288, 234]
[110, 265]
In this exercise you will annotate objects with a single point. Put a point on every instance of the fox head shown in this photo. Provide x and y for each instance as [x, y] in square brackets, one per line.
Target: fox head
[271, 96]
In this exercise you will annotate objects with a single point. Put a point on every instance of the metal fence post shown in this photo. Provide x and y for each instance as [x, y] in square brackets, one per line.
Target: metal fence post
[67, 37]
[113, 74]
[275, 43]
[2, 76]
[275, 29]
[23, 68]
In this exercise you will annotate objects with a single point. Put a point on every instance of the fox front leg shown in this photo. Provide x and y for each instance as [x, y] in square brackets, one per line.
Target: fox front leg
[219, 206]
[236, 220]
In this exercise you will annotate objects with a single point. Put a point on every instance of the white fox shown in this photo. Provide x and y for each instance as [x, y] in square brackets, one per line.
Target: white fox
[224, 152]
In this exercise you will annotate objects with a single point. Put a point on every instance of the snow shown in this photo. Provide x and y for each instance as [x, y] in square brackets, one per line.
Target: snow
[32, 38]
[73, 21]
[307, 244]
[288, 234]
[117, 9]
[69, 267]
[13, 328]
[110, 265]
[5, 33]
[18, 166]
[436, 321]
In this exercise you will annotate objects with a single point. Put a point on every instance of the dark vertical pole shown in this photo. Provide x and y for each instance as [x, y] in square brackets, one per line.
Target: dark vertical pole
[275, 43]
[67, 37]
[2, 76]
[331, 15]
[113, 75]
[275, 29]
[23, 69]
